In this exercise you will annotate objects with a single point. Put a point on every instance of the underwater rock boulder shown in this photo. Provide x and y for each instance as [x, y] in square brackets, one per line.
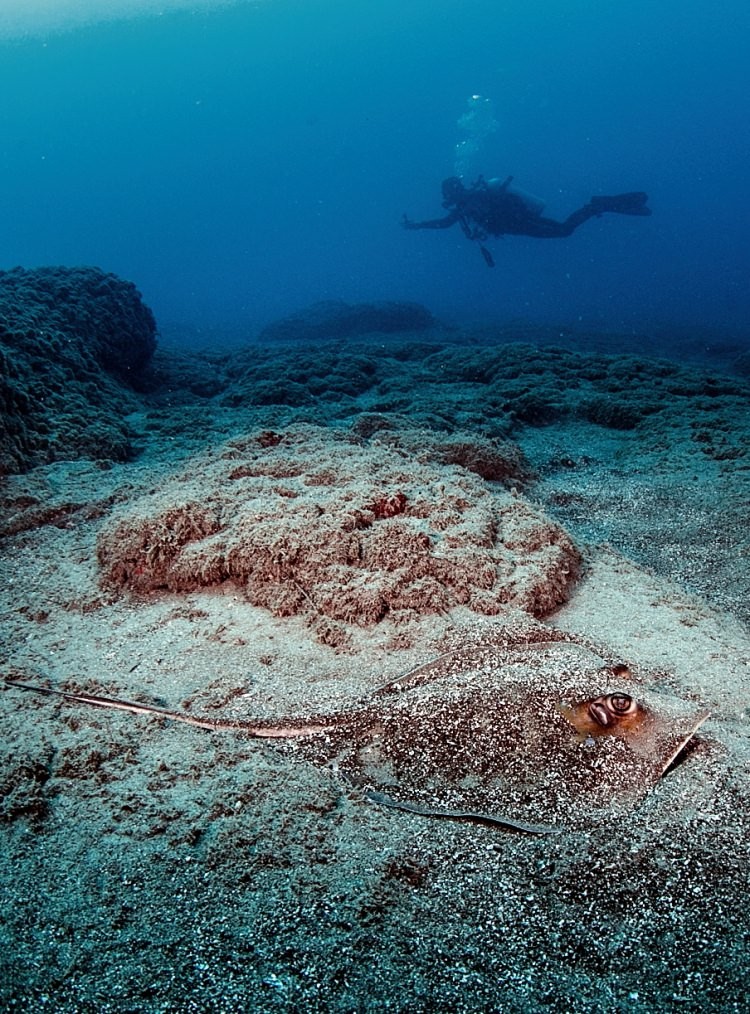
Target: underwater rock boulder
[741, 364]
[73, 344]
[103, 315]
[332, 319]
[309, 521]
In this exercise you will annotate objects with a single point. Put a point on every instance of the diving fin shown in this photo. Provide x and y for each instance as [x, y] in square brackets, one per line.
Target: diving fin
[622, 204]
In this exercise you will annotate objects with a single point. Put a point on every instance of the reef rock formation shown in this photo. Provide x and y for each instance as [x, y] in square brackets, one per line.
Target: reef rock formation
[73, 341]
[310, 521]
[336, 319]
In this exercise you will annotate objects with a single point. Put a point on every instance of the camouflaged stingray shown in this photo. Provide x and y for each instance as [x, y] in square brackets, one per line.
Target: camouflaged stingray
[537, 737]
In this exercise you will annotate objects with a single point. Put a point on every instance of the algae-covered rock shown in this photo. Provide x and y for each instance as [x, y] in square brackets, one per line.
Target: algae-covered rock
[316, 522]
[333, 318]
[73, 345]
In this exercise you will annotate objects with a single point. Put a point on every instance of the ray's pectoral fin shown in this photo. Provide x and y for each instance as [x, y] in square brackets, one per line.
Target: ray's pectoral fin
[679, 744]
[472, 816]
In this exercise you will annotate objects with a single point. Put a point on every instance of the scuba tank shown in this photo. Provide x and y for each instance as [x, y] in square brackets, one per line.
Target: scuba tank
[535, 204]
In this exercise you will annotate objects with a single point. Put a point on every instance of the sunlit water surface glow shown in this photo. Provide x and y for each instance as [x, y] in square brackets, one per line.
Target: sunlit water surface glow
[33, 18]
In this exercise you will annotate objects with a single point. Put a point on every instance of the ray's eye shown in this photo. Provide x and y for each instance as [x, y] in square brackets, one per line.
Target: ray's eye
[621, 704]
[608, 709]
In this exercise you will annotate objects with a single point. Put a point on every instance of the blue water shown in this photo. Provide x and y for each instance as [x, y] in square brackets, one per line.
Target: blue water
[240, 162]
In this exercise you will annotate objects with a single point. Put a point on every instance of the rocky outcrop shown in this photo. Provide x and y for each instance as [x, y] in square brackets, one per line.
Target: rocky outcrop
[336, 319]
[73, 345]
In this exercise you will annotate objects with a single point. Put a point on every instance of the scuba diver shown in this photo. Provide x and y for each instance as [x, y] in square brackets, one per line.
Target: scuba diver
[494, 208]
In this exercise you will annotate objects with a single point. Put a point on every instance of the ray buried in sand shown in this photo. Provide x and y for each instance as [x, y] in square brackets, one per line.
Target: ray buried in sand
[537, 738]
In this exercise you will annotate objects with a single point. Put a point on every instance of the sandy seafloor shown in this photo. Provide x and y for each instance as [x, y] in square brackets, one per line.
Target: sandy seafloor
[148, 866]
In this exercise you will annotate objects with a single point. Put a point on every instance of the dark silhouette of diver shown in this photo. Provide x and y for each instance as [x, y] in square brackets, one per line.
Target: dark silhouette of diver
[493, 208]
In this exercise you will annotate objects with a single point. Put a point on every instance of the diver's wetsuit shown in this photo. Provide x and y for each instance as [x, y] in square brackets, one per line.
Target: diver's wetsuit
[483, 210]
